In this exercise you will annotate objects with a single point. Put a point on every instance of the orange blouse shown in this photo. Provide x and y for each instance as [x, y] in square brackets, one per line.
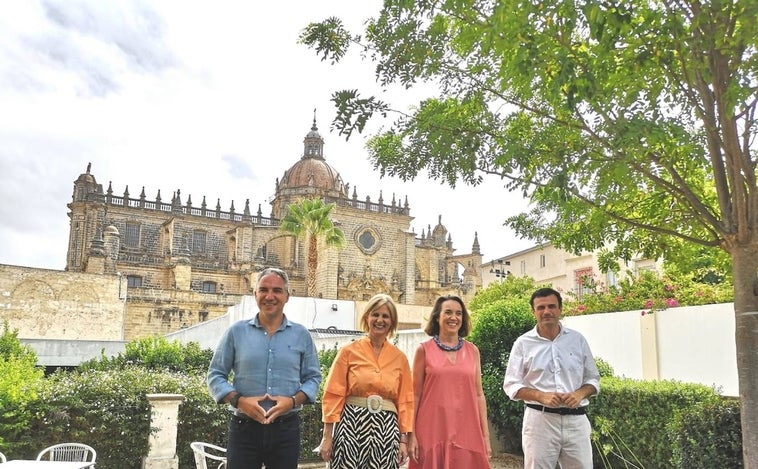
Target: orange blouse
[357, 372]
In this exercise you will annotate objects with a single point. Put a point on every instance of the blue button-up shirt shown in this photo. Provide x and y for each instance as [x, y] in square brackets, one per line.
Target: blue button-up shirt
[280, 365]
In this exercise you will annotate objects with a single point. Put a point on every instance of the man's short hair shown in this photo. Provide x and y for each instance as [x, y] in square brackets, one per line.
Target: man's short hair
[274, 271]
[542, 293]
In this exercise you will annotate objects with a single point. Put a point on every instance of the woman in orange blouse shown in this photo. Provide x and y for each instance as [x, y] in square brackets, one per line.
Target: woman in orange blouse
[369, 396]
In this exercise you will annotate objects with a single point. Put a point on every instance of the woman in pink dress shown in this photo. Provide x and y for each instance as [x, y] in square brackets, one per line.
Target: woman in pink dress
[450, 429]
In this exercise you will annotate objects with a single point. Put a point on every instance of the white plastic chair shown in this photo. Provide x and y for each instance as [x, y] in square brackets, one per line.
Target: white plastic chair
[68, 452]
[2, 458]
[205, 452]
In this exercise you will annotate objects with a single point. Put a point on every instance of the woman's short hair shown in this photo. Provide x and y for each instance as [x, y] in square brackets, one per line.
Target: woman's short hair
[375, 303]
[433, 323]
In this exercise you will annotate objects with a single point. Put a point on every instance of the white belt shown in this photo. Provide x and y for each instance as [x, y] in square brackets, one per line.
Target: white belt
[374, 403]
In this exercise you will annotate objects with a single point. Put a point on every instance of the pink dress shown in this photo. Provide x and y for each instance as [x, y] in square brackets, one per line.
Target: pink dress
[447, 426]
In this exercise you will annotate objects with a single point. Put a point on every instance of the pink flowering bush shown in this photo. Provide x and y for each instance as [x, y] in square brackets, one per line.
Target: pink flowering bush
[648, 292]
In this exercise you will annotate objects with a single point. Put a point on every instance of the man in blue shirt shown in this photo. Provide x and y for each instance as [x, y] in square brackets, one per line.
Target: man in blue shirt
[275, 370]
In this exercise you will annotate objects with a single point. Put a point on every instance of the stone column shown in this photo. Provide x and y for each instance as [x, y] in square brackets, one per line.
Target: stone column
[649, 340]
[165, 417]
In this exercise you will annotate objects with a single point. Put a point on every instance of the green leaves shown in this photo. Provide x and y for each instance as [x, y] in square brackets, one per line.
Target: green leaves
[329, 38]
[612, 117]
[312, 217]
[353, 111]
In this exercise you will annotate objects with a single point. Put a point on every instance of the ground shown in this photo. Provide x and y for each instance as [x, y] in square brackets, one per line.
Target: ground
[507, 461]
[501, 461]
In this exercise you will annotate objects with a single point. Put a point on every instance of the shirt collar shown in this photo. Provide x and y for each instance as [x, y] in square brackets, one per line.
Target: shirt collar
[256, 323]
[533, 332]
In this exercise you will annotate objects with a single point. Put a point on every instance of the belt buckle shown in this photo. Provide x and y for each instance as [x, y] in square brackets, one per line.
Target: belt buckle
[374, 403]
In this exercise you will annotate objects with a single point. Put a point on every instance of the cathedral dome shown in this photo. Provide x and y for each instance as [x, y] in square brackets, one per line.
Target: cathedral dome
[312, 172]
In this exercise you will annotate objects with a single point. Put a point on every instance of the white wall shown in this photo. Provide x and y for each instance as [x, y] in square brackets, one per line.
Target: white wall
[614, 337]
[690, 344]
[697, 344]
[694, 344]
[313, 313]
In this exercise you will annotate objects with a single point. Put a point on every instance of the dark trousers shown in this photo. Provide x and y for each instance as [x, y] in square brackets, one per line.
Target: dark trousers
[277, 445]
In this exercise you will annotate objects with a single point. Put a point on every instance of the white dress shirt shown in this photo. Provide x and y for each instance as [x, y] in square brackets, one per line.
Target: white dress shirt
[561, 365]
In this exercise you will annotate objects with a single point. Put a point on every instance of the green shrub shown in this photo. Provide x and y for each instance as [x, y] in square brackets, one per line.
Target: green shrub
[498, 324]
[109, 410]
[708, 436]
[647, 291]
[157, 353]
[11, 347]
[310, 417]
[628, 418]
[605, 368]
[511, 288]
[19, 380]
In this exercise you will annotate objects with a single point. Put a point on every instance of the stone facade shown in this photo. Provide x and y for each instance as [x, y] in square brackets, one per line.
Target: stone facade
[49, 304]
[182, 263]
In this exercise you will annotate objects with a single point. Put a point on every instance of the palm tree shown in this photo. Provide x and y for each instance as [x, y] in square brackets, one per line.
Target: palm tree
[309, 219]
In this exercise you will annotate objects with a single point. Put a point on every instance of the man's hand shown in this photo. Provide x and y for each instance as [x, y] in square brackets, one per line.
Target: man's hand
[251, 406]
[282, 405]
[572, 399]
[551, 399]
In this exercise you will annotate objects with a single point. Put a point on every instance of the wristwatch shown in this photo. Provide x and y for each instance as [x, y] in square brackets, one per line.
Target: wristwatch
[234, 401]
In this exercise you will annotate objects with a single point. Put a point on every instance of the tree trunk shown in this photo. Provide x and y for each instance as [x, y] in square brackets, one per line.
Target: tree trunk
[745, 264]
[312, 264]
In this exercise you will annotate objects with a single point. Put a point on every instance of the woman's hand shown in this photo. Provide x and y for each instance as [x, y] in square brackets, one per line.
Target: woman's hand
[402, 454]
[413, 449]
[325, 449]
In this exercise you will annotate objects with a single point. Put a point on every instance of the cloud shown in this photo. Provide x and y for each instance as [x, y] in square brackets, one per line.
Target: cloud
[238, 168]
[90, 49]
[166, 95]
[133, 27]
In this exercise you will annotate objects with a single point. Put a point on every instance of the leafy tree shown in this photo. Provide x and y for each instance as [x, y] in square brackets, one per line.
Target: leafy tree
[19, 380]
[11, 347]
[511, 287]
[309, 219]
[626, 124]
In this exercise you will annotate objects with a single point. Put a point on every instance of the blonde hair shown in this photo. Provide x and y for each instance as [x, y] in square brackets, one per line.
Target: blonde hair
[376, 302]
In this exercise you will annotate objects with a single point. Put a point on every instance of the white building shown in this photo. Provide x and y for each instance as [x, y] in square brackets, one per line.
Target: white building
[566, 272]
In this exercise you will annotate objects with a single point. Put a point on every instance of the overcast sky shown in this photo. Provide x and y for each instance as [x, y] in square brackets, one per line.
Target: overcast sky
[212, 98]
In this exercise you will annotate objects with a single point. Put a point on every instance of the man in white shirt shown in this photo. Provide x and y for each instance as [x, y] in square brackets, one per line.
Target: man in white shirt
[551, 369]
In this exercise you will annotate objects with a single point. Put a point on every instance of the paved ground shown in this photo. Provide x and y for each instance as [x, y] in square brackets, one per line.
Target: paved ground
[502, 461]
[507, 461]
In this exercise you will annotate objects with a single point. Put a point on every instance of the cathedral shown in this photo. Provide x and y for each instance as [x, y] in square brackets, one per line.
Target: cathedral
[182, 263]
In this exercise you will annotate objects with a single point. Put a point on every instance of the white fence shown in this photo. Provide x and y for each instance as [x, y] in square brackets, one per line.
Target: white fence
[691, 344]
[694, 344]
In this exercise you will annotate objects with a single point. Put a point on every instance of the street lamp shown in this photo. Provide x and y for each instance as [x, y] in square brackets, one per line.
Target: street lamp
[500, 272]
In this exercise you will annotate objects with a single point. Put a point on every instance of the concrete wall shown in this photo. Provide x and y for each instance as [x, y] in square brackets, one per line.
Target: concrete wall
[72, 352]
[691, 344]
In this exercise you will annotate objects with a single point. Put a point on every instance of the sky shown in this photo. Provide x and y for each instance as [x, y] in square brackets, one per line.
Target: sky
[209, 98]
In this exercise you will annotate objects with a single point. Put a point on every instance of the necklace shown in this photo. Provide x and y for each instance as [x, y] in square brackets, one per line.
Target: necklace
[448, 348]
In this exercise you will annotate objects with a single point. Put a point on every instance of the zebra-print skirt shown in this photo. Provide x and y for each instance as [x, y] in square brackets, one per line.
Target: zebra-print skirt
[365, 440]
